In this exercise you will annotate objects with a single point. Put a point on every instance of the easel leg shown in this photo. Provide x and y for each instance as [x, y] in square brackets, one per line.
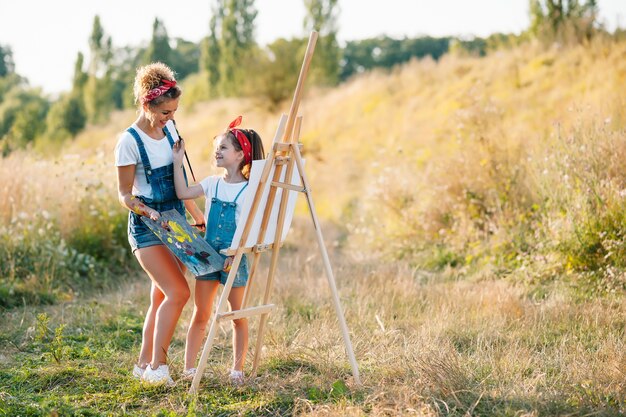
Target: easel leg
[335, 295]
[338, 310]
[212, 330]
[253, 269]
[266, 296]
[327, 267]
[259, 344]
[284, 196]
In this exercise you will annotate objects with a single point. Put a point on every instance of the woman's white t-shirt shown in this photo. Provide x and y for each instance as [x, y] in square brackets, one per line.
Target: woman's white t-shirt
[159, 153]
[225, 192]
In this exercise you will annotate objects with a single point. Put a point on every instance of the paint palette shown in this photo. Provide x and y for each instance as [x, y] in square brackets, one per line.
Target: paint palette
[188, 246]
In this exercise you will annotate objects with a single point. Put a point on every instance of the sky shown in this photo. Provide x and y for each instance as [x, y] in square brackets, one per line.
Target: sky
[45, 36]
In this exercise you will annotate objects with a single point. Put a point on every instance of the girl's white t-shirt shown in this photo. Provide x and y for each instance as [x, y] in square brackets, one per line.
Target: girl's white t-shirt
[159, 153]
[225, 192]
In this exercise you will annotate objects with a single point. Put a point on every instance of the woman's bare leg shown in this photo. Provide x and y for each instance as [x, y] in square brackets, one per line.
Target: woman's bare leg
[164, 270]
[156, 298]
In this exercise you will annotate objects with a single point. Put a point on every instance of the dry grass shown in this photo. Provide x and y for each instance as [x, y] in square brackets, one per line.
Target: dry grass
[425, 345]
[499, 163]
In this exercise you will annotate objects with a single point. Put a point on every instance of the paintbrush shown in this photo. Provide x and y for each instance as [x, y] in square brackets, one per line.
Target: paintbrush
[186, 157]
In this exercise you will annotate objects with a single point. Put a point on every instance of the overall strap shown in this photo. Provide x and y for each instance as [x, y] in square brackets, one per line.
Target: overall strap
[169, 136]
[217, 186]
[240, 191]
[142, 153]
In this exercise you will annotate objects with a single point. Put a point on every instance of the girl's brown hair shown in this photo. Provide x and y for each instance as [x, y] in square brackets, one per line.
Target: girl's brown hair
[258, 152]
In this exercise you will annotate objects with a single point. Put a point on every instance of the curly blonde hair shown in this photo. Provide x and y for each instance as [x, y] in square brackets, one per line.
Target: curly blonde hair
[149, 77]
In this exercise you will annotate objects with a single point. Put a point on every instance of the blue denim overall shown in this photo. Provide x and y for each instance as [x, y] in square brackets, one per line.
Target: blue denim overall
[219, 233]
[164, 198]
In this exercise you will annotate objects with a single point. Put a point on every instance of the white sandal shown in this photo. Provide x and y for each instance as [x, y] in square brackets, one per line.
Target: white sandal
[236, 377]
[158, 376]
[138, 372]
[189, 374]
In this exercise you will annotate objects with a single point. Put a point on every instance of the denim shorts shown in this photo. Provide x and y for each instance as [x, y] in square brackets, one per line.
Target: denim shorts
[140, 235]
[241, 279]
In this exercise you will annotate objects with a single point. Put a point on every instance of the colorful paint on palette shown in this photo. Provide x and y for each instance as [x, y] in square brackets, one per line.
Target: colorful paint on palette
[177, 234]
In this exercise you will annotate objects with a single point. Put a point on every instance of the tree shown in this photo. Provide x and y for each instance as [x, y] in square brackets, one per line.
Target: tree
[210, 49]
[278, 71]
[72, 108]
[80, 76]
[236, 45]
[159, 49]
[385, 52]
[563, 20]
[22, 116]
[22, 109]
[66, 118]
[6, 61]
[10, 82]
[97, 48]
[322, 16]
[99, 88]
[125, 61]
[185, 58]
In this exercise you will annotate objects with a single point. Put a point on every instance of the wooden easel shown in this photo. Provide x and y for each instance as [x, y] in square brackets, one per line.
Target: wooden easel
[285, 152]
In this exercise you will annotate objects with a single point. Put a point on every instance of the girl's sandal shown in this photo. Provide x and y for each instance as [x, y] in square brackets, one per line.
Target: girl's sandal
[188, 374]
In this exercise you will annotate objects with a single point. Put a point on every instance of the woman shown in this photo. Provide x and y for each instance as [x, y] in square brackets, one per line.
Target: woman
[143, 157]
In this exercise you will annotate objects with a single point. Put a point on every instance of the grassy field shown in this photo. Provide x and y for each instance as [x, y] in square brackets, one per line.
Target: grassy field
[427, 344]
[474, 209]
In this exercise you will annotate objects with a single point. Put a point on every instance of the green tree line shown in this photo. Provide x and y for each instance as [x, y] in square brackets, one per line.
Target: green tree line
[229, 62]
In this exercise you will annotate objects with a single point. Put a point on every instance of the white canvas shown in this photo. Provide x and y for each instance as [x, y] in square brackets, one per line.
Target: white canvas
[253, 185]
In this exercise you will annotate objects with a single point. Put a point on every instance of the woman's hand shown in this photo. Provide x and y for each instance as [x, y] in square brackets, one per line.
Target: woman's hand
[141, 209]
[228, 262]
[153, 214]
[178, 151]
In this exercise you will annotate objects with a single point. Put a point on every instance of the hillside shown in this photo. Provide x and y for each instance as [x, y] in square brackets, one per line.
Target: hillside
[474, 210]
[448, 161]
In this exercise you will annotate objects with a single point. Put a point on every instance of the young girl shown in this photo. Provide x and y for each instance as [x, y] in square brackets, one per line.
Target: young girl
[234, 151]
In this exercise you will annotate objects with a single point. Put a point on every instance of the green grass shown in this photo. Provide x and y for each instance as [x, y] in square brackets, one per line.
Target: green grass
[480, 348]
[503, 292]
[41, 265]
[90, 383]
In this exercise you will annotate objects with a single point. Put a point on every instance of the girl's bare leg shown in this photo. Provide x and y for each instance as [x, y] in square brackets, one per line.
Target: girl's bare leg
[240, 329]
[205, 292]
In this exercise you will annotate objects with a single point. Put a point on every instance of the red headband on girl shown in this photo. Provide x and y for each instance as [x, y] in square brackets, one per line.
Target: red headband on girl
[158, 91]
[242, 139]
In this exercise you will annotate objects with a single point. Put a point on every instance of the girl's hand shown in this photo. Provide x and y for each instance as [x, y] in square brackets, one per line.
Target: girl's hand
[178, 151]
[228, 263]
[200, 226]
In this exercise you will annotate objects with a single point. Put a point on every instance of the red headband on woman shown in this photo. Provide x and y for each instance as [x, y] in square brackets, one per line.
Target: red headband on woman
[242, 139]
[158, 91]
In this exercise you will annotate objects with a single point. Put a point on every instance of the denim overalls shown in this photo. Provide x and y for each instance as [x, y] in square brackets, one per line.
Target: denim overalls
[219, 233]
[164, 198]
